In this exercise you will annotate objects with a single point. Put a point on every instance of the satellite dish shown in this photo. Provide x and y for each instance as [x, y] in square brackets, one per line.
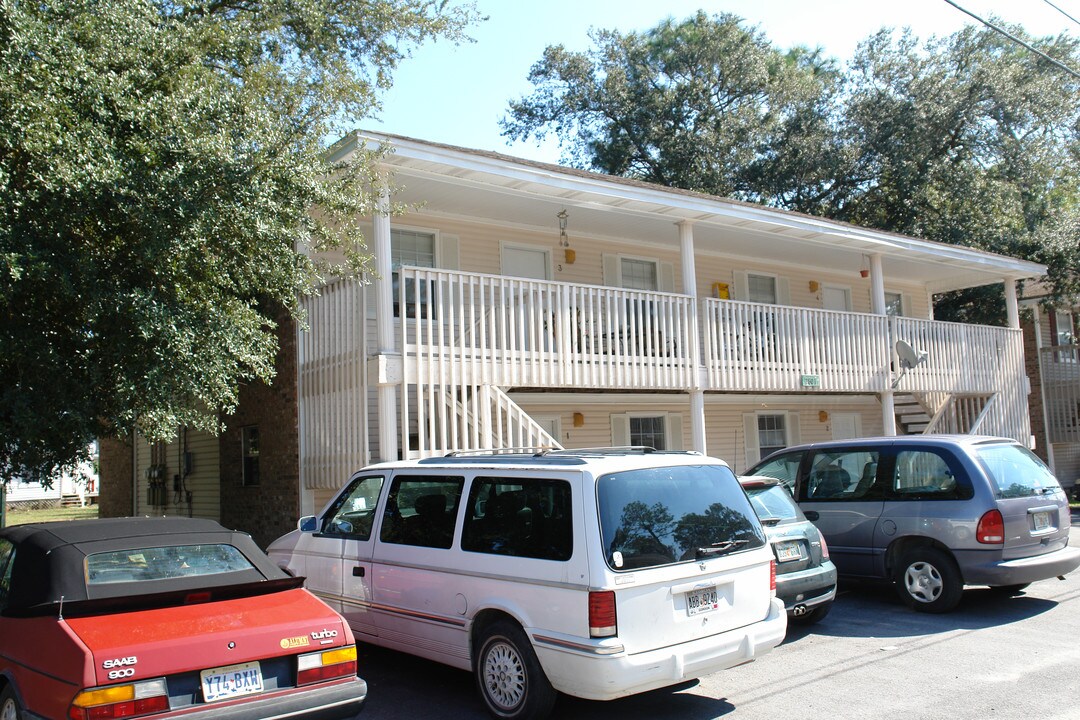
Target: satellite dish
[909, 358]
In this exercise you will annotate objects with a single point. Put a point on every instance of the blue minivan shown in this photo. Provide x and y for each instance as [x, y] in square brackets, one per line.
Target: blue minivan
[932, 513]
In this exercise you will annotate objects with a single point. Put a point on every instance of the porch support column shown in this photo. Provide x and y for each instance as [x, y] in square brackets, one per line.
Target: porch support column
[877, 303]
[689, 279]
[1012, 308]
[384, 322]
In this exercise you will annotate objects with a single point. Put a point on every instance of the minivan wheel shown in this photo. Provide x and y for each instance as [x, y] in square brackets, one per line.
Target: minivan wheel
[509, 676]
[9, 706]
[929, 581]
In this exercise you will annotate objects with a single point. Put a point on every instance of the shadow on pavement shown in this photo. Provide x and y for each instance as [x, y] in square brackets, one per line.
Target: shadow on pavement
[406, 687]
[874, 610]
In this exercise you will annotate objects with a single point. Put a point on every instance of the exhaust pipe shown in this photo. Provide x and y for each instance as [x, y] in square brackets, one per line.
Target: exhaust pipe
[799, 610]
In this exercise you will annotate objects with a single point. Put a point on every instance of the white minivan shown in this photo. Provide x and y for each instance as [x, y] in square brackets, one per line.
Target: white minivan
[596, 573]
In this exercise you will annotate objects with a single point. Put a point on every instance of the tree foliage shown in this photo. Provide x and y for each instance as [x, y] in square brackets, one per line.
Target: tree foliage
[688, 104]
[158, 164]
[969, 139]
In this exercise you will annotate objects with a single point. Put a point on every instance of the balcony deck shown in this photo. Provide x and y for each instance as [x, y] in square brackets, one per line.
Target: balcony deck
[512, 332]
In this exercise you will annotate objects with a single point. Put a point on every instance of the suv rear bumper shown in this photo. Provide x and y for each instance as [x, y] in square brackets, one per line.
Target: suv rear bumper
[1019, 571]
[606, 677]
[809, 588]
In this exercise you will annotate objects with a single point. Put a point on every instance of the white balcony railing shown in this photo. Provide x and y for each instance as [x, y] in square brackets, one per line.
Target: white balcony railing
[1060, 366]
[760, 347]
[469, 329]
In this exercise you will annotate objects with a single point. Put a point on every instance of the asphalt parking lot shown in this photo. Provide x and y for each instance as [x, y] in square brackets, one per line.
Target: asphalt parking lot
[994, 657]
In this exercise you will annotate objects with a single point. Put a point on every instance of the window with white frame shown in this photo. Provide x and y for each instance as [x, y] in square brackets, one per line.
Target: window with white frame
[648, 432]
[639, 274]
[772, 433]
[662, 431]
[1065, 335]
[414, 248]
[761, 289]
[894, 304]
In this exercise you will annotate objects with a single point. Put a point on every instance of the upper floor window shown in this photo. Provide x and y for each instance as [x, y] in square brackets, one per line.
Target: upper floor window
[894, 304]
[761, 289]
[1065, 335]
[639, 274]
[414, 248]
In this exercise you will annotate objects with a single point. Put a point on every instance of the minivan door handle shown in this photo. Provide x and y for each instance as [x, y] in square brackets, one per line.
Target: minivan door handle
[358, 571]
[811, 515]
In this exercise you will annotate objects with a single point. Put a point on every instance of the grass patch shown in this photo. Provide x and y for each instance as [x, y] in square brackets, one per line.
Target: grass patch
[23, 517]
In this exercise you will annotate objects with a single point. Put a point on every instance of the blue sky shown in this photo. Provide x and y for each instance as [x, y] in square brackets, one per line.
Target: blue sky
[457, 94]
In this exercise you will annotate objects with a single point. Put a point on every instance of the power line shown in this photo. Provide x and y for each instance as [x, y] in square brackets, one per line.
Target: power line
[1017, 40]
[1062, 11]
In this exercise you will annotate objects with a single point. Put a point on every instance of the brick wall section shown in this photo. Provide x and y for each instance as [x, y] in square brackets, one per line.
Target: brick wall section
[270, 509]
[114, 468]
[1035, 400]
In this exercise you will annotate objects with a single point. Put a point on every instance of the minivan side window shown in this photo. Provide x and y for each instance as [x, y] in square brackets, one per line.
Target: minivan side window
[527, 518]
[927, 475]
[353, 513]
[784, 468]
[843, 475]
[420, 510]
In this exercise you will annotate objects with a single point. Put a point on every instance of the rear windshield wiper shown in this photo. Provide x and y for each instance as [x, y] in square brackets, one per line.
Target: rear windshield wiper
[720, 548]
[770, 521]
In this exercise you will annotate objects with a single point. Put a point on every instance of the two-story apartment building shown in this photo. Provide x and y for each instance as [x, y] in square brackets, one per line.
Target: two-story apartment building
[519, 304]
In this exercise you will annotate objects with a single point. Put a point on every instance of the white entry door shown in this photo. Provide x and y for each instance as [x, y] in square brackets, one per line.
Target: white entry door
[836, 298]
[846, 426]
[525, 262]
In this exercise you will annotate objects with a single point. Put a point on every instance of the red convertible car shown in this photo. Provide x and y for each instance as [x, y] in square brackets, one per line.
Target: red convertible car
[163, 618]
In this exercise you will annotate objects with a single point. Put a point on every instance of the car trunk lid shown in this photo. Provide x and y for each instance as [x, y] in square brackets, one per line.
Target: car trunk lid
[169, 640]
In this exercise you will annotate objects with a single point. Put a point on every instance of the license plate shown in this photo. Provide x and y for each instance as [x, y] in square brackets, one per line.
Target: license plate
[1042, 520]
[231, 681]
[788, 550]
[702, 600]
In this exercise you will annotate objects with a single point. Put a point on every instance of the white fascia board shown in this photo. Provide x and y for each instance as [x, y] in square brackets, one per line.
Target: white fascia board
[700, 208]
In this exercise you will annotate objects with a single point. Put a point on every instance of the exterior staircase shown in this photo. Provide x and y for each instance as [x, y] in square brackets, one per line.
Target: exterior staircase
[958, 413]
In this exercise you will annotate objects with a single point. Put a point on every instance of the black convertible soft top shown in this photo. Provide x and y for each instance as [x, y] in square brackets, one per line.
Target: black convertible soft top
[50, 568]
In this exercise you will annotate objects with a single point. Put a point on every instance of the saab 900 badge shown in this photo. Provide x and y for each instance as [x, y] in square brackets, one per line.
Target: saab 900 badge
[295, 642]
[120, 667]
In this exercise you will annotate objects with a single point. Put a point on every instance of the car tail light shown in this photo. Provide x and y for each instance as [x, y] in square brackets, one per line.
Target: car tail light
[120, 701]
[772, 576]
[824, 549]
[991, 528]
[602, 620]
[326, 665]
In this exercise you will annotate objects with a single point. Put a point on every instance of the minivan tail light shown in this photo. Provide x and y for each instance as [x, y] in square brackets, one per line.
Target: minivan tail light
[602, 621]
[772, 576]
[991, 528]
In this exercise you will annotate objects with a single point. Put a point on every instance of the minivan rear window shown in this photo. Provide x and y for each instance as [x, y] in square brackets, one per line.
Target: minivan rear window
[660, 516]
[1015, 470]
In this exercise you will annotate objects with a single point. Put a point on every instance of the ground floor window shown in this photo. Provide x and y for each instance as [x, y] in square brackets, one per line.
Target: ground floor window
[772, 433]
